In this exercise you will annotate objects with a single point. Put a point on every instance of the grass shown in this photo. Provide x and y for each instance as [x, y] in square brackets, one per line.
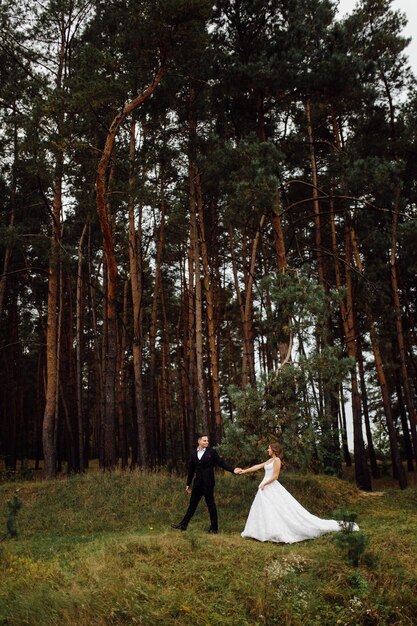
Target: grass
[98, 550]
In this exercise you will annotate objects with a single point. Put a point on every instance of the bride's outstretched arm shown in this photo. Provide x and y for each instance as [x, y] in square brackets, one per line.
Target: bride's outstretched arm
[254, 468]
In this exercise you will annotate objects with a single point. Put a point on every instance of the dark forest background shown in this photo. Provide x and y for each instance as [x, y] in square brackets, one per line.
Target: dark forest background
[207, 223]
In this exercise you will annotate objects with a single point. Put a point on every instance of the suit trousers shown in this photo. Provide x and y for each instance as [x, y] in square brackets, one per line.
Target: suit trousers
[198, 491]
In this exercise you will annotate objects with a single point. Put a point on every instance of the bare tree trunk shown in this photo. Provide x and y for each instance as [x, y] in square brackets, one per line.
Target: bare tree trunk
[331, 444]
[66, 31]
[408, 447]
[183, 367]
[386, 400]
[190, 345]
[49, 419]
[393, 266]
[198, 307]
[245, 306]
[276, 222]
[79, 319]
[153, 413]
[10, 366]
[371, 451]
[58, 371]
[8, 251]
[343, 429]
[135, 258]
[121, 385]
[210, 316]
[37, 432]
[108, 243]
[316, 204]
[167, 387]
[98, 363]
[363, 479]
[409, 400]
[349, 330]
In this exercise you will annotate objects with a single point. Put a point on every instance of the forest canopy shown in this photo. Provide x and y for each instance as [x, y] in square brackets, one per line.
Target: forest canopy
[207, 224]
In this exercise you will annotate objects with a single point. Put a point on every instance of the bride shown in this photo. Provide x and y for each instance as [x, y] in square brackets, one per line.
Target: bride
[275, 515]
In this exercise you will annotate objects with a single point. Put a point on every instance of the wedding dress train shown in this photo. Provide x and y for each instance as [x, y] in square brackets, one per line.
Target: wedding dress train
[275, 515]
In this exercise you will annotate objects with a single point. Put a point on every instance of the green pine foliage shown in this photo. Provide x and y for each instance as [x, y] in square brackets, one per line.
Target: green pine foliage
[283, 405]
[351, 542]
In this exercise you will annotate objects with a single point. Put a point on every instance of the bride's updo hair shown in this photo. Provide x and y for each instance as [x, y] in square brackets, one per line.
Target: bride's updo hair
[278, 451]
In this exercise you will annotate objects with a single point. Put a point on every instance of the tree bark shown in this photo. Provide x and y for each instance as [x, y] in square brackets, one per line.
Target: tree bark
[121, 385]
[79, 319]
[363, 479]
[386, 400]
[362, 475]
[49, 419]
[135, 260]
[364, 396]
[108, 245]
[210, 316]
[154, 416]
[198, 305]
[409, 400]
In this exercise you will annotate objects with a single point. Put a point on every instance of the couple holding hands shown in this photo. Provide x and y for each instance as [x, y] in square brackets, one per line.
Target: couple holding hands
[275, 515]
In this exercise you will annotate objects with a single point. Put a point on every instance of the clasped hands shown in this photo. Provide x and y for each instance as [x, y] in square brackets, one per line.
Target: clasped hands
[238, 470]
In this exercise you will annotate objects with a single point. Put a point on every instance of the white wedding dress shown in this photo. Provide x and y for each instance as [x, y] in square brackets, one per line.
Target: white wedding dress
[275, 515]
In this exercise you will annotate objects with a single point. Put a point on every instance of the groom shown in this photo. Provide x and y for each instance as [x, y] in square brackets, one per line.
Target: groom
[202, 463]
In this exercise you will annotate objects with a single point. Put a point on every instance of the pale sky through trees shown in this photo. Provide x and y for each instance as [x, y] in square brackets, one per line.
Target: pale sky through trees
[409, 7]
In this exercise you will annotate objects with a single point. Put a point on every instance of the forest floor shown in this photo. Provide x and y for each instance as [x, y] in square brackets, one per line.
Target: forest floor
[98, 549]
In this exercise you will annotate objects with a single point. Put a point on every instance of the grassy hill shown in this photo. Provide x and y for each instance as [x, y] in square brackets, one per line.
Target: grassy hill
[98, 549]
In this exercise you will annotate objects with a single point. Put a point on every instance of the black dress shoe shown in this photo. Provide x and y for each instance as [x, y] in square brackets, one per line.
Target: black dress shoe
[179, 526]
[212, 531]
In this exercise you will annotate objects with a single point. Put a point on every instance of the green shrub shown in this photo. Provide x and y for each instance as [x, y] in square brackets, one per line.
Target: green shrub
[14, 505]
[352, 542]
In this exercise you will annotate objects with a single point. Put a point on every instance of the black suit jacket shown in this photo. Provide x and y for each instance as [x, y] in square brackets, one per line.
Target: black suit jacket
[204, 469]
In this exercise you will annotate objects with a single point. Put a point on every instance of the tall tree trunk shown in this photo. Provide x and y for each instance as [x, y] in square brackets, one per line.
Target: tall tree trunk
[363, 478]
[79, 320]
[49, 419]
[316, 203]
[276, 222]
[408, 447]
[97, 360]
[386, 400]
[198, 306]
[135, 259]
[190, 345]
[8, 251]
[393, 260]
[167, 387]
[343, 429]
[10, 393]
[49, 428]
[121, 385]
[409, 400]
[153, 405]
[108, 244]
[246, 305]
[371, 451]
[330, 443]
[210, 315]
